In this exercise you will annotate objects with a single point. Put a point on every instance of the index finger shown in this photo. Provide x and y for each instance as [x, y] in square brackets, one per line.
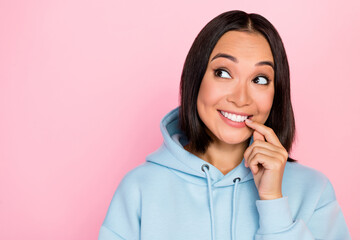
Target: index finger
[267, 132]
[258, 136]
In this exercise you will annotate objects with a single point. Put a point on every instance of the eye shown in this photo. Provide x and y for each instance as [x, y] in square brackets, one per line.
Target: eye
[222, 73]
[262, 80]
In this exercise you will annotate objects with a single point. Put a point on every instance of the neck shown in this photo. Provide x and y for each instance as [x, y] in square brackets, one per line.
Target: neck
[223, 156]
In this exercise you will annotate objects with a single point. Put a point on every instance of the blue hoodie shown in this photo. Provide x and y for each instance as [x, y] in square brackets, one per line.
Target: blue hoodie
[175, 195]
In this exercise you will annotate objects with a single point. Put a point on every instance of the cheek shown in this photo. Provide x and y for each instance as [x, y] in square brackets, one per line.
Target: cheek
[209, 93]
[264, 103]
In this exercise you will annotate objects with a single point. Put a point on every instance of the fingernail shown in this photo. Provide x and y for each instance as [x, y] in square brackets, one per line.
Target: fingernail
[248, 120]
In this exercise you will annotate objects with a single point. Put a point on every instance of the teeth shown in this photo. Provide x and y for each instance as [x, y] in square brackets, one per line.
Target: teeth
[234, 117]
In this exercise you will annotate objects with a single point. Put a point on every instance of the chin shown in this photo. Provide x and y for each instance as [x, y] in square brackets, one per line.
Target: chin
[235, 139]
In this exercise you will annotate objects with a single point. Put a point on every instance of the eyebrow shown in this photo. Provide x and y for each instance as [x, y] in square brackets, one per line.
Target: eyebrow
[232, 58]
[224, 55]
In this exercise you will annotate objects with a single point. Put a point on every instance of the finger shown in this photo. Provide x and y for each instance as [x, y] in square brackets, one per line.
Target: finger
[262, 159]
[263, 151]
[263, 144]
[267, 132]
[271, 151]
[255, 162]
[258, 136]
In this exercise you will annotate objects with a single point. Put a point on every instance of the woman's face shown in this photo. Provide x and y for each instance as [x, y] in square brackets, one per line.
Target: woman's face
[239, 80]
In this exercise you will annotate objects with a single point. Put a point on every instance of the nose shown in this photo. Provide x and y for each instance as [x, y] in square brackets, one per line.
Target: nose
[240, 94]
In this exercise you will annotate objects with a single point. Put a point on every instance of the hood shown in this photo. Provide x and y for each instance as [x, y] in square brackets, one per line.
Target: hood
[172, 154]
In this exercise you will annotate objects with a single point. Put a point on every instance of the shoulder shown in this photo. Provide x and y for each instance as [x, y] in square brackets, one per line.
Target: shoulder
[303, 173]
[143, 175]
[308, 182]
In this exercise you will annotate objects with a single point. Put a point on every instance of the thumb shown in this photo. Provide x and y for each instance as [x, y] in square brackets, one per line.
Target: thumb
[258, 136]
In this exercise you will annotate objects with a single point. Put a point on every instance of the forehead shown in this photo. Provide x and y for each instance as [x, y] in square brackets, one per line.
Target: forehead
[244, 46]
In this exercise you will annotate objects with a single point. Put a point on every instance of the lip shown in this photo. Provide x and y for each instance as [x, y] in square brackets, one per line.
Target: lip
[237, 113]
[232, 123]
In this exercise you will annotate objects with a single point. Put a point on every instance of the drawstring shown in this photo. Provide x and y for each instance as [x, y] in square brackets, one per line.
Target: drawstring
[205, 168]
[236, 180]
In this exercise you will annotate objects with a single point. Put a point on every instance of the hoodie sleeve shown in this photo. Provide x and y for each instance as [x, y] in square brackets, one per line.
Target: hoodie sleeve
[122, 221]
[327, 220]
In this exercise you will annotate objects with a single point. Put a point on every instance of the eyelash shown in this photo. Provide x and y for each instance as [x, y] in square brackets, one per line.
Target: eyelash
[220, 69]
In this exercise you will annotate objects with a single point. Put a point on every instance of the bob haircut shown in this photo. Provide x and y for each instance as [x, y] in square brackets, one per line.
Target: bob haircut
[281, 117]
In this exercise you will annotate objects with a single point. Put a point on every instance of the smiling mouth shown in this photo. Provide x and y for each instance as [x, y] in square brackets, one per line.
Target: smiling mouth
[235, 117]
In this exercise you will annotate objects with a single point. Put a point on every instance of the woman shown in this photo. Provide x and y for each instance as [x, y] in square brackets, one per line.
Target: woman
[223, 171]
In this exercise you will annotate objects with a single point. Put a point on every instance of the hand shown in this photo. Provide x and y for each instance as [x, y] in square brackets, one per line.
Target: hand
[266, 158]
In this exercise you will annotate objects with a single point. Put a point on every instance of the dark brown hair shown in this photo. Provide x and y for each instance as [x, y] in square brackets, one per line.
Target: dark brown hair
[281, 118]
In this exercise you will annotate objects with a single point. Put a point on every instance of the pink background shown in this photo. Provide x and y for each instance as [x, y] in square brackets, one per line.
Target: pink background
[84, 85]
